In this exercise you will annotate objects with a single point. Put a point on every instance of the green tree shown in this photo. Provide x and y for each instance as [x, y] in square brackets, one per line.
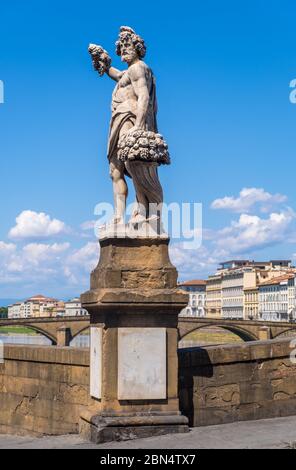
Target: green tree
[3, 312]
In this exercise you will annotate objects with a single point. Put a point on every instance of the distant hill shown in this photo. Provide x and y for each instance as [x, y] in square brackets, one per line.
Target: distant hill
[6, 302]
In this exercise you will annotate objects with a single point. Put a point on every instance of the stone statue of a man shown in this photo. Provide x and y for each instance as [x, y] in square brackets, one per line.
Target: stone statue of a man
[135, 148]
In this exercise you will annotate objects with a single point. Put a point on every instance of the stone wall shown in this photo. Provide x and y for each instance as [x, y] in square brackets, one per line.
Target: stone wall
[248, 381]
[43, 389]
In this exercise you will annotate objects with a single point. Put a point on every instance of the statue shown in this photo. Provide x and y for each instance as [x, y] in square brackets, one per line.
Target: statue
[133, 300]
[135, 148]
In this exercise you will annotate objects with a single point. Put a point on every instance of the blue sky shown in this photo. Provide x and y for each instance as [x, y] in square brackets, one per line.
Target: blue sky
[223, 71]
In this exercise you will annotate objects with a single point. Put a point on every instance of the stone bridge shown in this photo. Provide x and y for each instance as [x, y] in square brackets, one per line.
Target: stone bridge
[62, 330]
[247, 330]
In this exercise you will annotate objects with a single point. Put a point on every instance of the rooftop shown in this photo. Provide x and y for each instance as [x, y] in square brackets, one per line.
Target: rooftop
[278, 279]
[40, 298]
[238, 262]
[195, 282]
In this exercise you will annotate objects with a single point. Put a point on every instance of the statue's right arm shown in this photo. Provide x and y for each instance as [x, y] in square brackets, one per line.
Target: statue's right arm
[114, 73]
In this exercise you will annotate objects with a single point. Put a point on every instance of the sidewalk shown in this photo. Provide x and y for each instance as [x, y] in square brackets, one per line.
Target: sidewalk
[275, 433]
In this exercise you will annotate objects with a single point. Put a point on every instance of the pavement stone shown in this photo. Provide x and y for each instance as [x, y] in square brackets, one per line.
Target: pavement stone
[275, 433]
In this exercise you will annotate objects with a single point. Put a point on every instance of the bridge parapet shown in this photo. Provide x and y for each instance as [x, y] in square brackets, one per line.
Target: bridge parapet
[60, 331]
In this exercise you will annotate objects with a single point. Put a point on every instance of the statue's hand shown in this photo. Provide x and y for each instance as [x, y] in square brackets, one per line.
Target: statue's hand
[100, 58]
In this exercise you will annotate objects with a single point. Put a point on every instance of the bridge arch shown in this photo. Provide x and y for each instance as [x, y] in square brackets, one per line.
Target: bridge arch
[276, 334]
[79, 332]
[47, 335]
[242, 333]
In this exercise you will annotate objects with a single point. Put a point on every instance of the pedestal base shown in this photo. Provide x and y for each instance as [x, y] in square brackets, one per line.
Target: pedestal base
[134, 305]
[100, 429]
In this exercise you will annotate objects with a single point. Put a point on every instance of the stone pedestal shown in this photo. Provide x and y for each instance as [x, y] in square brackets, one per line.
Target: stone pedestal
[134, 305]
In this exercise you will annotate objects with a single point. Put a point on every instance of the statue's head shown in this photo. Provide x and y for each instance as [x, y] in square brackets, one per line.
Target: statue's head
[130, 46]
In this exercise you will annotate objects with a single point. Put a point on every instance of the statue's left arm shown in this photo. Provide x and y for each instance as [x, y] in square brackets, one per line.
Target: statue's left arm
[138, 78]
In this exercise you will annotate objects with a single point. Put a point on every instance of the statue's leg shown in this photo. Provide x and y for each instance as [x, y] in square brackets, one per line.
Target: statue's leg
[120, 190]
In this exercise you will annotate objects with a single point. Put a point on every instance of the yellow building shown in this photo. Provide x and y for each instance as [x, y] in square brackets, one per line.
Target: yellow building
[252, 280]
[213, 296]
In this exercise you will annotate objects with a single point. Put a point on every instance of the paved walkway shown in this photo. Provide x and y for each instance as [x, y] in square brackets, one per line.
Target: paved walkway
[264, 434]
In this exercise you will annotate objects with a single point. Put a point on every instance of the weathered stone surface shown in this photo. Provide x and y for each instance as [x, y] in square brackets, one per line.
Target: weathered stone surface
[43, 389]
[134, 263]
[106, 429]
[142, 371]
[222, 384]
[96, 351]
[133, 291]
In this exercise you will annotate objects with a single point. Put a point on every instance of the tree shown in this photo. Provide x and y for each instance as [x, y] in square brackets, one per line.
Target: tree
[3, 312]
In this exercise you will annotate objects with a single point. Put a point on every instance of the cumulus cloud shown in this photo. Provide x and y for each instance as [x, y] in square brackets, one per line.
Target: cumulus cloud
[251, 232]
[86, 257]
[35, 256]
[37, 252]
[248, 198]
[6, 248]
[34, 225]
[194, 263]
[40, 266]
[88, 225]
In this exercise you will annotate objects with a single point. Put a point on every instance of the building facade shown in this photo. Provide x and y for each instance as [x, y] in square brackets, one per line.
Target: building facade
[73, 308]
[277, 299]
[197, 298]
[214, 296]
[233, 292]
[41, 306]
[292, 298]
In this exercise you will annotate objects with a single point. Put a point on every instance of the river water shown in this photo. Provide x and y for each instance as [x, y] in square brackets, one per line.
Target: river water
[81, 341]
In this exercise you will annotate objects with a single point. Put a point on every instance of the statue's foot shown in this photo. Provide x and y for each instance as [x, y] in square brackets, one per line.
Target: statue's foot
[116, 220]
[137, 219]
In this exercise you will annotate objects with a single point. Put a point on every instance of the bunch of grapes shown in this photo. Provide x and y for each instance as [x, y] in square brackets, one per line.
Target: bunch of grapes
[100, 58]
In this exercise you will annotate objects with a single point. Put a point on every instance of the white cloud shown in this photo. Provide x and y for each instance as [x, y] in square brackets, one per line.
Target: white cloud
[35, 256]
[251, 232]
[247, 199]
[88, 225]
[86, 257]
[41, 264]
[194, 263]
[6, 248]
[33, 225]
[38, 252]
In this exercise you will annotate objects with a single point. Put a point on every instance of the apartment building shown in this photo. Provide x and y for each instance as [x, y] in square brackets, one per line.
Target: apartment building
[239, 286]
[232, 288]
[277, 298]
[292, 298]
[41, 306]
[35, 307]
[14, 311]
[73, 308]
[197, 298]
[214, 296]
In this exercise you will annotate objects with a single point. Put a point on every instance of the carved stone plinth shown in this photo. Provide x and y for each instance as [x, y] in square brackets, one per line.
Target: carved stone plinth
[134, 305]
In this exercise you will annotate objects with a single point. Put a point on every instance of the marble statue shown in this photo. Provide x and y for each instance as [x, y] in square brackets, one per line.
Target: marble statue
[135, 148]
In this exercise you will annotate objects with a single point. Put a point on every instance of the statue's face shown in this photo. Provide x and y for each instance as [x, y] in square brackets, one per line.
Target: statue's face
[128, 51]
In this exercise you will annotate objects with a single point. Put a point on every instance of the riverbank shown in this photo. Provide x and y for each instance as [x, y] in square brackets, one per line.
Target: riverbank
[17, 330]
